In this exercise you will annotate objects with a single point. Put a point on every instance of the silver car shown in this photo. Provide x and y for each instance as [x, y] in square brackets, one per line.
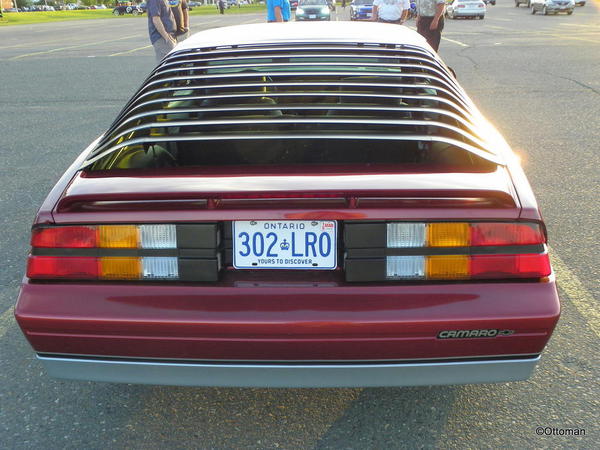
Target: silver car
[552, 6]
[466, 8]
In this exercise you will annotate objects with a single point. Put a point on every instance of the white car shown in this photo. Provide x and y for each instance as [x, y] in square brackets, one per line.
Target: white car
[466, 8]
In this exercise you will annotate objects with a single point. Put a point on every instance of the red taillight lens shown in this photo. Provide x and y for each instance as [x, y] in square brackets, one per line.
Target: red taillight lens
[71, 267]
[506, 234]
[64, 237]
[510, 266]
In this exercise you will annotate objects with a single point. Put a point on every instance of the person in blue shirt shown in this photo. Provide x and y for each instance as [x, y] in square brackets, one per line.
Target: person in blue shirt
[278, 10]
[161, 27]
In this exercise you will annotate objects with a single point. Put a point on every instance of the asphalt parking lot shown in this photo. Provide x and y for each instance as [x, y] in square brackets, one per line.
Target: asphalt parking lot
[536, 77]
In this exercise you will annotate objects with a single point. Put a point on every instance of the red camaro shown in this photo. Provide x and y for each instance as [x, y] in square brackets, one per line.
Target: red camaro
[323, 206]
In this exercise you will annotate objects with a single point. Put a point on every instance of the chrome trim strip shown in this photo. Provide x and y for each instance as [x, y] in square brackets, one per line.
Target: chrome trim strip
[301, 46]
[180, 63]
[496, 159]
[341, 65]
[289, 375]
[299, 121]
[338, 73]
[327, 107]
[140, 94]
[172, 99]
[424, 87]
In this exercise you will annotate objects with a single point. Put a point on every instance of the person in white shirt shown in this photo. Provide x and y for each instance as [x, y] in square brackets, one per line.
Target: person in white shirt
[390, 11]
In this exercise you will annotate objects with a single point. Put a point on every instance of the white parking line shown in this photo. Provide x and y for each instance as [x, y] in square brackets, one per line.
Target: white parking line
[572, 286]
[54, 50]
[566, 24]
[131, 51]
[462, 44]
[6, 320]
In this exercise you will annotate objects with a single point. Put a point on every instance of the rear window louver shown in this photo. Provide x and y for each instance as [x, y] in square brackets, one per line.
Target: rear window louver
[296, 93]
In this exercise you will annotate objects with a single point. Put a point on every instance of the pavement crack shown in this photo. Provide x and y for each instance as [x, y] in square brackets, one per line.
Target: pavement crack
[572, 80]
[583, 85]
[462, 55]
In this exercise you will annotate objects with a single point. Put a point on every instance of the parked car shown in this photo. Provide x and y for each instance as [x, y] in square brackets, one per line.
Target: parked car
[313, 10]
[490, 2]
[580, 3]
[466, 8]
[324, 207]
[552, 6]
[361, 9]
[128, 9]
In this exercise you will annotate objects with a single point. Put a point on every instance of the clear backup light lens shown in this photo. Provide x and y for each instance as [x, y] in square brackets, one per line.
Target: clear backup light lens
[405, 235]
[160, 268]
[405, 267]
[158, 236]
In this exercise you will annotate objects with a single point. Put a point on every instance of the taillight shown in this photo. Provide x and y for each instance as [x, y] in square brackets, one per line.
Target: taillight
[445, 251]
[64, 237]
[125, 252]
[69, 267]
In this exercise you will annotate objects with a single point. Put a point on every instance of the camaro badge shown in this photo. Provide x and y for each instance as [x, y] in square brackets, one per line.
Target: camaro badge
[463, 334]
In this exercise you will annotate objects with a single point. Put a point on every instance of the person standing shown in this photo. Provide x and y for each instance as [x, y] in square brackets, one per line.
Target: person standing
[179, 8]
[161, 27]
[278, 10]
[430, 21]
[221, 6]
[390, 11]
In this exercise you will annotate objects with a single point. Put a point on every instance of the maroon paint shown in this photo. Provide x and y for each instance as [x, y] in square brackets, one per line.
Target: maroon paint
[256, 318]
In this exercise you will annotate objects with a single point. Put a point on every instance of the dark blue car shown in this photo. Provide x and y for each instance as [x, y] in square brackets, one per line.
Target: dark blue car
[361, 9]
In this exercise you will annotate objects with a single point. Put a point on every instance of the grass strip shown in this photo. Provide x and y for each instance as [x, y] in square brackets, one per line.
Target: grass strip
[26, 18]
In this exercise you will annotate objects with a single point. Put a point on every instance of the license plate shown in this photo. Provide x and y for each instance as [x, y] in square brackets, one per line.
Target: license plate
[312, 16]
[285, 244]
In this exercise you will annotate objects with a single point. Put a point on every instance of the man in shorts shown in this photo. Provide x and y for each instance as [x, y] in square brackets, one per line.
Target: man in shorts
[161, 27]
[430, 21]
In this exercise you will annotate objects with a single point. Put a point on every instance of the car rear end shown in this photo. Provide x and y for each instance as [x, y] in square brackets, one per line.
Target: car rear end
[361, 10]
[313, 10]
[469, 8]
[556, 6]
[303, 214]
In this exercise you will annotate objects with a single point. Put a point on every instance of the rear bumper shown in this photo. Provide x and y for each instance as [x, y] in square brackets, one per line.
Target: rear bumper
[260, 320]
[290, 375]
[473, 13]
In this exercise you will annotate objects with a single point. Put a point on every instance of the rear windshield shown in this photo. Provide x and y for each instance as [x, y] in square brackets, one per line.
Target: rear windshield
[305, 108]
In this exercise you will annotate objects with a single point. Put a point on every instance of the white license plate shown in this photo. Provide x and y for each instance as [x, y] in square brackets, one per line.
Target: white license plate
[312, 16]
[285, 244]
